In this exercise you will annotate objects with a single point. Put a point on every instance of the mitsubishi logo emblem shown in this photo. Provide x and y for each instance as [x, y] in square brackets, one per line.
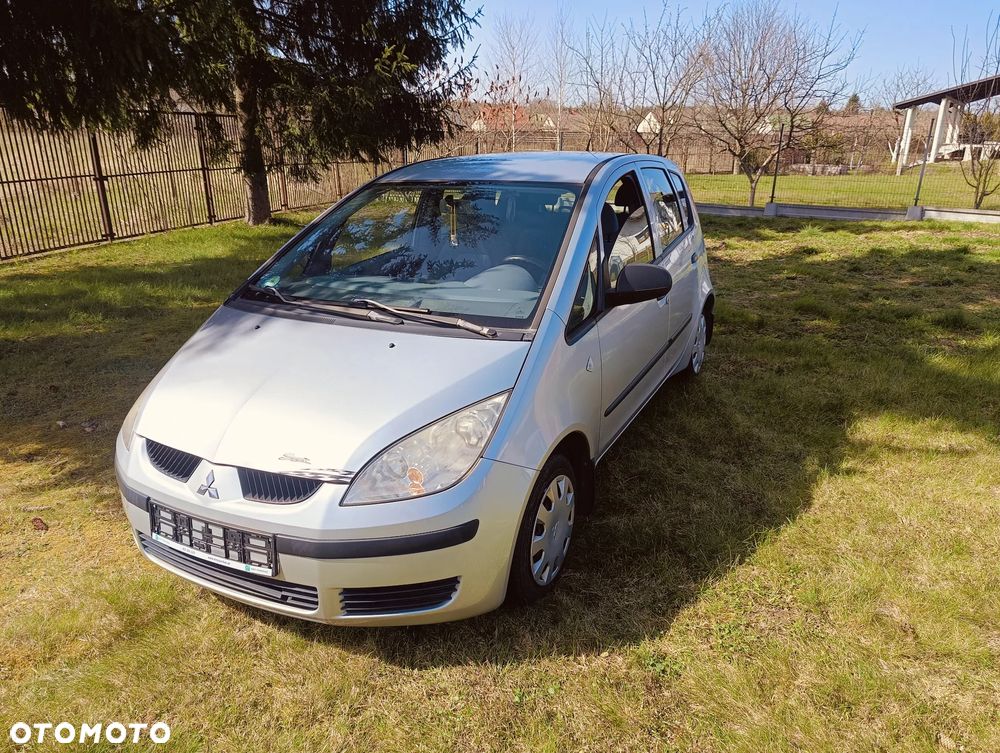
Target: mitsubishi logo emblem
[209, 486]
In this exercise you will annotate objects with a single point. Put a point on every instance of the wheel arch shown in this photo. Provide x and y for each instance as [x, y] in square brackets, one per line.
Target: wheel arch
[709, 311]
[576, 448]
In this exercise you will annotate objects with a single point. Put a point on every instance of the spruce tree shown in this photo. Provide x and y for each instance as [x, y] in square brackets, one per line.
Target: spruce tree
[326, 79]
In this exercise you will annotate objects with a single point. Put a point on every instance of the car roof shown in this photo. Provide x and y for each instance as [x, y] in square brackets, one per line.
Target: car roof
[531, 167]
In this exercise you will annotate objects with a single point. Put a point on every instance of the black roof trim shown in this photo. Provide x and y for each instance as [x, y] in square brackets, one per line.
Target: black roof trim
[973, 91]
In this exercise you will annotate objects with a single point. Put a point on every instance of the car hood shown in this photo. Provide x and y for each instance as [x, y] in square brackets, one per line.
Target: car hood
[279, 394]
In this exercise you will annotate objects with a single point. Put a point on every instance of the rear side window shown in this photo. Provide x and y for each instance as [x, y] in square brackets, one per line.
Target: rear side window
[682, 195]
[668, 221]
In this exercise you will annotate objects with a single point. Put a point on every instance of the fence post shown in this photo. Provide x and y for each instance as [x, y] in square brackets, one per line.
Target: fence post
[777, 162]
[206, 177]
[283, 185]
[923, 165]
[282, 180]
[340, 180]
[102, 187]
[406, 155]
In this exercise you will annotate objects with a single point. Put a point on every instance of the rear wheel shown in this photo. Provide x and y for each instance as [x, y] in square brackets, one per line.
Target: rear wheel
[546, 532]
[700, 343]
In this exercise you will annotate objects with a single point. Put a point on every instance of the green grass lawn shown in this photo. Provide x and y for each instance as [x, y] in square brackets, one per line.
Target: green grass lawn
[797, 551]
[943, 186]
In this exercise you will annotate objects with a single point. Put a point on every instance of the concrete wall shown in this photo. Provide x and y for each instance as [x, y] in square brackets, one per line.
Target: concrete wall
[849, 213]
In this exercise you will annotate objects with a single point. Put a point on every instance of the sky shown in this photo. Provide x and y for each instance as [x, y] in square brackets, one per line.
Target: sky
[896, 33]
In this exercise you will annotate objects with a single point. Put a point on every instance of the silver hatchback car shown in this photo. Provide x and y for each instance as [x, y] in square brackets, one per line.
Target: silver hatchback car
[397, 418]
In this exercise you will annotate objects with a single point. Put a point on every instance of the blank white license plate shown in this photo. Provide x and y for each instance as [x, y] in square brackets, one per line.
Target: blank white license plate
[240, 550]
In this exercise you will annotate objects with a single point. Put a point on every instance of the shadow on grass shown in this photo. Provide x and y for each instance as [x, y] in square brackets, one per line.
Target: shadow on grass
[757, 229]
[81, 334]
[714, 465]
[805, 347]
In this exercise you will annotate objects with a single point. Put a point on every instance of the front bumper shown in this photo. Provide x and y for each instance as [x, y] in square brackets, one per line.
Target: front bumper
[457, 543]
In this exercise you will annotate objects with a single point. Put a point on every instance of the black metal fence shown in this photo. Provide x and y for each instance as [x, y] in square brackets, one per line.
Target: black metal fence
[860, 179]
[71, 189]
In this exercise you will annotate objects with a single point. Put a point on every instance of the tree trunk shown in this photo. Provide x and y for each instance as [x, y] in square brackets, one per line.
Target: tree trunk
[258, 202]
[559, 109]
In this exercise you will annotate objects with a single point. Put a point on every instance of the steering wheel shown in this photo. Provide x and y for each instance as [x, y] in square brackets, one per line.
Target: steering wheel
[526, 262]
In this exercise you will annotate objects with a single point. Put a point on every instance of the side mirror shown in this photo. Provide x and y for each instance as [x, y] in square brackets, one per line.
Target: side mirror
[639, 282]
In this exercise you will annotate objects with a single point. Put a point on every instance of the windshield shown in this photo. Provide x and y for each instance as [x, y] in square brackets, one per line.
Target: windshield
[482, 251]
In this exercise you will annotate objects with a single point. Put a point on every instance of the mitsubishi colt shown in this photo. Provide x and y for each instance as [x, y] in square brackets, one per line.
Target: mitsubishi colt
[396, 419]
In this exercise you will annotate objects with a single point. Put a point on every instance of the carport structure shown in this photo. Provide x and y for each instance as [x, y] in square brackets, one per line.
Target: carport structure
[952, 104]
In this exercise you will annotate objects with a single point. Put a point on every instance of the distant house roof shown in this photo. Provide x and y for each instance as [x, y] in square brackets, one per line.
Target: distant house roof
[649, 124]
[973, 91]
[543, 121]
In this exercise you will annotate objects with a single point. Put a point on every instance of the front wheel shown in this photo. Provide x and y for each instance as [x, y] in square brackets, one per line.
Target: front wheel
[546, 532]
[700, 342]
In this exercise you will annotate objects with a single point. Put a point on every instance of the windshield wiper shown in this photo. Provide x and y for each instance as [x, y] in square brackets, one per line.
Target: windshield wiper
[420, 315]
[270, 292]
[372, 303]
[274, 293]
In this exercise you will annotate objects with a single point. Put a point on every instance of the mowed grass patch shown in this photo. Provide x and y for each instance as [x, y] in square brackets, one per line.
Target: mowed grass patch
[943, 186]
[795, 551]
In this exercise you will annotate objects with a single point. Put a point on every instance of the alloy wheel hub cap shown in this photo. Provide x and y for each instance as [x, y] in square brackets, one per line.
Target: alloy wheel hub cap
[553, 529]
[698, 356]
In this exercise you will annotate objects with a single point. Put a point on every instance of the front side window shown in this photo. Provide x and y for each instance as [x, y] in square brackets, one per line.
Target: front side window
[625, 228]
[479, 250]
[666, 209]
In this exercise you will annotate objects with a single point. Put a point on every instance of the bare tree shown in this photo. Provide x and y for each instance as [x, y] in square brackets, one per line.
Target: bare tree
[560, 65]
[902, 83]
[668, 60]
[601, 60]
[765, 68]
[514, 52]
[981, 166]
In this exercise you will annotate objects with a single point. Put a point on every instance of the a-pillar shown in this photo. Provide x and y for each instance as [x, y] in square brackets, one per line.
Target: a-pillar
[903, 153]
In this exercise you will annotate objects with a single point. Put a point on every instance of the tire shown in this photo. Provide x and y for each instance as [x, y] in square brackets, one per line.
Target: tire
[546, 533]
[701, 337]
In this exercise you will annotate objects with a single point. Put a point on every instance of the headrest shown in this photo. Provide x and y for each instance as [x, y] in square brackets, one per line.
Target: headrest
[627, 196]
[609, 225]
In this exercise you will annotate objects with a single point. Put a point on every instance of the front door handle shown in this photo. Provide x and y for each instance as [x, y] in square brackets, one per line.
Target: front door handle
[694, 258]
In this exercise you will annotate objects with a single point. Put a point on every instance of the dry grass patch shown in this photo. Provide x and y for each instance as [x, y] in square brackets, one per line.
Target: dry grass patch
[797, 551]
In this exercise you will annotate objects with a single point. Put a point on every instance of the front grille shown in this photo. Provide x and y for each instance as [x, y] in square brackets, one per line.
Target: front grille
[396, 599]
[174, 463]
[275, 488]
[249, 584]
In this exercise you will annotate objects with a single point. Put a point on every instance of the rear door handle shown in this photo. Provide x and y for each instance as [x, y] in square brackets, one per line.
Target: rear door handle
[694, 258]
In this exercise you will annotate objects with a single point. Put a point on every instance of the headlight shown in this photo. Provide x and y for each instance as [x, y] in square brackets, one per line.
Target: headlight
[432, 459]
[128, 425]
